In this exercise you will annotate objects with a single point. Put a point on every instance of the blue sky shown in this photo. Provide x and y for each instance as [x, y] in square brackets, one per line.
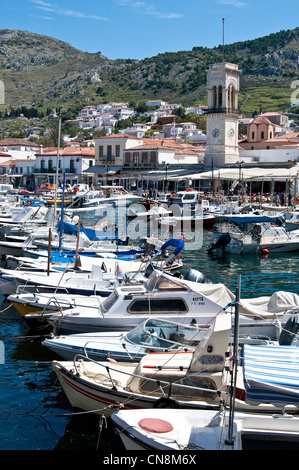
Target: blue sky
[133, 29]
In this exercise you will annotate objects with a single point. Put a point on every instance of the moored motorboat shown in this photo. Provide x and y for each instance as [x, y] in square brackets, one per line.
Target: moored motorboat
[152, 335]
[197, 380]
[189, 431]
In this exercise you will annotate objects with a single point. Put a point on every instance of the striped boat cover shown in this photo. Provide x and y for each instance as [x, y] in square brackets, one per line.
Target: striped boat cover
[271, 375]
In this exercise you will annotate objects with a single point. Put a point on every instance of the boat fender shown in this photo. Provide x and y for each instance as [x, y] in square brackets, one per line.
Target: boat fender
[288, 336]
[166, 402]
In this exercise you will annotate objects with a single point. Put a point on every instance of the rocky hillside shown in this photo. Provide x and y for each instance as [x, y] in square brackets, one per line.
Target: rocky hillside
[39, 70]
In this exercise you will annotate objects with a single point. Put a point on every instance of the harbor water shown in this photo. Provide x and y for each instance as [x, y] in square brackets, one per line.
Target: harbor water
[34, 411]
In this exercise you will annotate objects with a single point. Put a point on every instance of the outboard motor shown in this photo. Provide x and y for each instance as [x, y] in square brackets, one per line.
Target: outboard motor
[289, 335]
[222, 241]
[279, 221]
[77, 202]
[196, 276]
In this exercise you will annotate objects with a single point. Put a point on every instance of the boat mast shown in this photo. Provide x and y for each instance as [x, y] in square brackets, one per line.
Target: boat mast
[57, 170]
[230, 439]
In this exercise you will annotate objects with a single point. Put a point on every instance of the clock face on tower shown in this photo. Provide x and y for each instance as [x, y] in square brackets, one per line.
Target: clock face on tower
[215, 133]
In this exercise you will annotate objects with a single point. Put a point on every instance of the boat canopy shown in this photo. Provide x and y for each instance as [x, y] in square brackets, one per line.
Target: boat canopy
[239, 220]
[271, 375]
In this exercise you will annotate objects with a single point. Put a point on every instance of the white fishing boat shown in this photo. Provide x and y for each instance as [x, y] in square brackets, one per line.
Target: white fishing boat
[162, 295]
[43, 303]
[25, 219]
[84, 244]
[291, 220]
[152, 335]
[94, 283]
[194, 430]
[180, 300]
[107, 194]
[249, 236]
[156, 211]
[195, 380]
[88, 275]
[190, 221]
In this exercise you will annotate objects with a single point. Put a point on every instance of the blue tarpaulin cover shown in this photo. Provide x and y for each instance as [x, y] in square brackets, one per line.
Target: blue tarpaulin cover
[271, 374]
[251, 219]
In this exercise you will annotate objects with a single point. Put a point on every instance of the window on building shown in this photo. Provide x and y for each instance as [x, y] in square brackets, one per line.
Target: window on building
[214, 105]
[127, 159]
[153, 157]
[117, 150]
[72, 166]
[262, 135]
[109, 151]
[101, 151]
[252, 135]
[220, 96]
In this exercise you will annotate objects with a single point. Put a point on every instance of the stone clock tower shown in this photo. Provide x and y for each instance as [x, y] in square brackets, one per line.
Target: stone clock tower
[223, 85]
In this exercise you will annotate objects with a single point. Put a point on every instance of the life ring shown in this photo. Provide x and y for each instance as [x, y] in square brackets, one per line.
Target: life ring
[6, 181]
[167, 402]
[28, 203]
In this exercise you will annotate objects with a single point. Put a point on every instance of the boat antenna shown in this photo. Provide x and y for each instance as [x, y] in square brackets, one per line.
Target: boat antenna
[223, 39]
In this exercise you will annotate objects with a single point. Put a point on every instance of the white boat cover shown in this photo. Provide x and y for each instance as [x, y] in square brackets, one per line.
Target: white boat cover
[270, 307]
[271, 375]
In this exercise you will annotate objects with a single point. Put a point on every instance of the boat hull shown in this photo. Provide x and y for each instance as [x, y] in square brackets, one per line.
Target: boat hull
[99, 399]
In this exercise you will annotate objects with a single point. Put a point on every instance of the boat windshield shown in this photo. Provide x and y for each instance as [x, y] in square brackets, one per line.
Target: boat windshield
[159, 282]
[189, 197]
[162, 334]
[109, 301]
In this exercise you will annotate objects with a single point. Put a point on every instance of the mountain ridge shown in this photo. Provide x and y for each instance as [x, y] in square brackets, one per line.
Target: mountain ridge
[39, 70]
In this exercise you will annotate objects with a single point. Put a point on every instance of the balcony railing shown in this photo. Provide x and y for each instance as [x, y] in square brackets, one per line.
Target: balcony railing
[53, 170]
[222, 111]
[107, 158]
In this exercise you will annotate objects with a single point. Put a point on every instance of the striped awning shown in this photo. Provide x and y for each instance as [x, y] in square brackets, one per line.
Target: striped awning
[271, 374]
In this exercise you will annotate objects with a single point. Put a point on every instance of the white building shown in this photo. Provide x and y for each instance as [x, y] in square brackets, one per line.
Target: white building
[73, 161]
[19, 148]
[106, 120]
[196, 109]
[123, 113]
[88, 111]
[155, 103]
